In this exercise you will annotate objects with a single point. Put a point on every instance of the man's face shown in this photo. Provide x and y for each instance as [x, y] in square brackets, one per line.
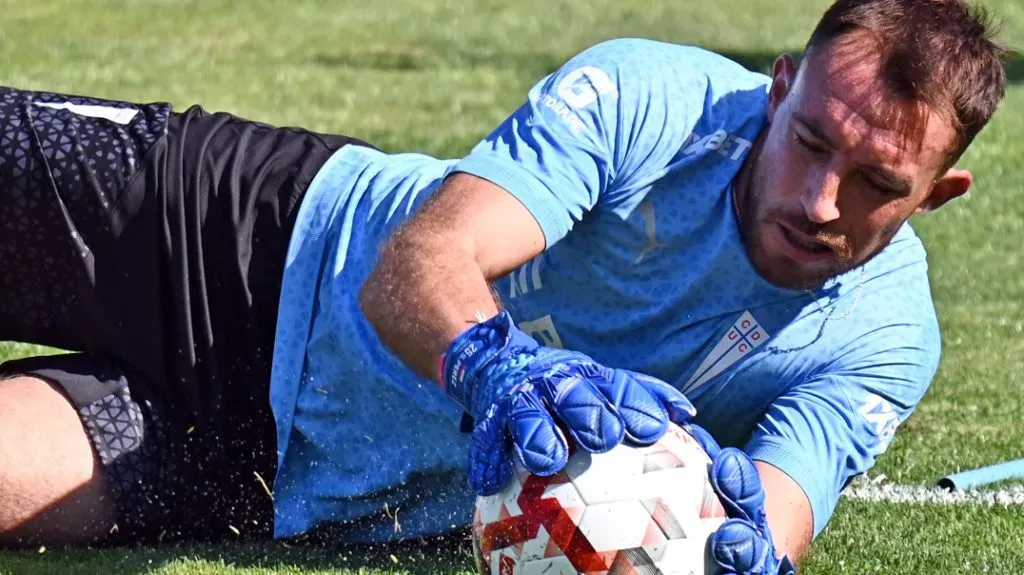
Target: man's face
[833, 180]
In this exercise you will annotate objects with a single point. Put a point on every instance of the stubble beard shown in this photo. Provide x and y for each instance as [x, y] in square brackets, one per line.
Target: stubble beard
[754, 217]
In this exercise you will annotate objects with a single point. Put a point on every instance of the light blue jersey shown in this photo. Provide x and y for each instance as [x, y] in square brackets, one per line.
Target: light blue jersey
[626, 157]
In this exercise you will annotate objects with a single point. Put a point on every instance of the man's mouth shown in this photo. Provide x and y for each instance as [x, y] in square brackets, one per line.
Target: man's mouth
[802, 247]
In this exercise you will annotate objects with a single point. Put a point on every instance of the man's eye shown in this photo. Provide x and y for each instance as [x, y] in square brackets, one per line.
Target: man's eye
[882, 189]
[807, 145]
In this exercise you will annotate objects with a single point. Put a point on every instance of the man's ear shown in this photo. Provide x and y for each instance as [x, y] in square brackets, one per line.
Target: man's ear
[783, 75]
[953, 184]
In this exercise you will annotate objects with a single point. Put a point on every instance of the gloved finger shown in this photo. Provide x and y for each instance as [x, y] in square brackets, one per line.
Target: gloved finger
[680, 410]
[737, 548]
[539, 444]
[589, 417]
[738, 485]
[644, 417]
[490, 461]
[705, 440]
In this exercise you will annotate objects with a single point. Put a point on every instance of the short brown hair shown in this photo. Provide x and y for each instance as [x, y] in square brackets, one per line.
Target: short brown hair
[941, 53]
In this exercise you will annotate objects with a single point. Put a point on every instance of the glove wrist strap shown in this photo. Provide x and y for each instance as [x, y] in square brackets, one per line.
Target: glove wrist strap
[470, 353]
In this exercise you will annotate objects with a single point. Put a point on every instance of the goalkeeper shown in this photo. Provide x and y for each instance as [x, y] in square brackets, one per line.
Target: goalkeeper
[260, 310]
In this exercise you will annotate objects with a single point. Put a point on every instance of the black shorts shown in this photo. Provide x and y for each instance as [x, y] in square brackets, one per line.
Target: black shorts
[152, 244]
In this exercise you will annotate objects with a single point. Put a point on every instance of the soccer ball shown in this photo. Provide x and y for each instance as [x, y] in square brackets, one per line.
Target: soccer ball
[630, 510]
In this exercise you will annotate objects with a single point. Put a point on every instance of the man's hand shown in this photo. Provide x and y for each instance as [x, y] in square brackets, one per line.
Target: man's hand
[743, 545]
[512, 386]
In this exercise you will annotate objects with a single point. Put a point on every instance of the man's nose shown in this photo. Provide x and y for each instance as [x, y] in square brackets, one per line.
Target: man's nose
[821, 201]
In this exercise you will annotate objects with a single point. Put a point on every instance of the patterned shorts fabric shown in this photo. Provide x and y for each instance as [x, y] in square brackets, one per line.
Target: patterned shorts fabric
[151, 243]
[130, 437]
[129, 447]
[64, 170]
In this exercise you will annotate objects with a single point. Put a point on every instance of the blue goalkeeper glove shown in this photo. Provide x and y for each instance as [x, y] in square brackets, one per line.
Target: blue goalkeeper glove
[743, 545]
[514, 388]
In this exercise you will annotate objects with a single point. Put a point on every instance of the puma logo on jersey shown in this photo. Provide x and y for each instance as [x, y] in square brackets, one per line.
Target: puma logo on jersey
[646, 211]
[744, 336]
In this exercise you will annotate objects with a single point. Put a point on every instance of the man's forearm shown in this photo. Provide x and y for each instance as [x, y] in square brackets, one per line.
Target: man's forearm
[422, 294]
[789, 512]
[431, 281]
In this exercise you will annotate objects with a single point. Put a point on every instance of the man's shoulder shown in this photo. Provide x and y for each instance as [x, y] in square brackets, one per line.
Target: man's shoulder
[887, 304]
[652, 51]
[668, 62]
[902, 268]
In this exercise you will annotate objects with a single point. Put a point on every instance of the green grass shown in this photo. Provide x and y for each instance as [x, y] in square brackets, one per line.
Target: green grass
[881, 538]
[863, 538]
[450, 556]
[434, 76]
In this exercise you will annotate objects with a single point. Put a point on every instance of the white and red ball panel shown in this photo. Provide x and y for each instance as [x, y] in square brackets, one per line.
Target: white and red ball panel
[631, 510]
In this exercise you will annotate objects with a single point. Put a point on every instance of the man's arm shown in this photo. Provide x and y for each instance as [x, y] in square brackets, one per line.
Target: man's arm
[813, 439]
[788, 510]
[610, 117]
[432, 277]
[591, 132]
[781, 489]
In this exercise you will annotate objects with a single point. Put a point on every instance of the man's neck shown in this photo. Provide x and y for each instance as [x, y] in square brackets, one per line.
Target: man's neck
[742, 187]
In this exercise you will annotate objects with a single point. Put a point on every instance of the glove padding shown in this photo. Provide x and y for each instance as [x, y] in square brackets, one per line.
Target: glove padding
[515, 388]
[743, 545]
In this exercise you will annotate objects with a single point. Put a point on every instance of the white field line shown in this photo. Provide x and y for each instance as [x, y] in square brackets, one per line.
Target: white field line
[874, 491]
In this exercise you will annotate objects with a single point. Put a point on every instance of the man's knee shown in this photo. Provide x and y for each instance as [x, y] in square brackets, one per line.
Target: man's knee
[52, 488]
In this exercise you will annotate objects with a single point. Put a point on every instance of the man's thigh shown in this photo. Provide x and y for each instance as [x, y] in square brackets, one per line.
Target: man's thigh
[84, 458]
[52, 486]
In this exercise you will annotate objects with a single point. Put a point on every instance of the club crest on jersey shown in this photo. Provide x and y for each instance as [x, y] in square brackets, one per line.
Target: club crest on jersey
[744, 336]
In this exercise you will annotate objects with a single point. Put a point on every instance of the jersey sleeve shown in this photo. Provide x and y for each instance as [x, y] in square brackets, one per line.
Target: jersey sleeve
[609, 116]
[832, 427]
